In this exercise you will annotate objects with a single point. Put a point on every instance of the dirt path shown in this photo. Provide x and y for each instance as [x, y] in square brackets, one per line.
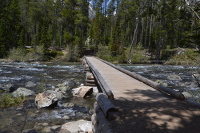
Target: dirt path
[144, 109]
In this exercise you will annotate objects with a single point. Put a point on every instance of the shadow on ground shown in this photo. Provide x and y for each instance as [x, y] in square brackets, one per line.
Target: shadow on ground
[152, 112]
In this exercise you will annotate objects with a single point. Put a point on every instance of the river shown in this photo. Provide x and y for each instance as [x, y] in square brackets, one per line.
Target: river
[27, 117]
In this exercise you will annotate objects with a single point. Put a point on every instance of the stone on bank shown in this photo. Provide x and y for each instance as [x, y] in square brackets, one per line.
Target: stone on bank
[76, 127]
[23, 91]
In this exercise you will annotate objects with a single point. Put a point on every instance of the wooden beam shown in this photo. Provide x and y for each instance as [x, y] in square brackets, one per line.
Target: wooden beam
[107, 107]
[103, 123]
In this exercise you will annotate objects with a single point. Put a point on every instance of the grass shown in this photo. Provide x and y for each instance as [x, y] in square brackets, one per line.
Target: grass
[137, 55]
[21, 54]
[189, 57]
[8, 100]
[37, 54]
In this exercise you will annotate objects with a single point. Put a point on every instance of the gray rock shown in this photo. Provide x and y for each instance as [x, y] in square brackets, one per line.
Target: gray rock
[63, 86]
[39, 126]
[68, 105]
[76, 126]
[30, 84]
[29, 131]
[31, 114]
[193, 85]
[67, 85]
[23, 91]
[46, 130]
[187, 94]
[71, 84]
[197, 76]
[174, 77]
[66, 117]
[8, 87]
[95, 91]
[55, 127]
[48, 98]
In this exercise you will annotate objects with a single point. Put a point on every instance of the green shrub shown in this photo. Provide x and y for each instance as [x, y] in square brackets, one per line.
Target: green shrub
[7, 100]
[21, 54]
[187, 57]
[104, 53]
[39, 52]
[17, 54]
[60, 53]
[51, 54]
[72, 54]
[137, 58]
[122, 58]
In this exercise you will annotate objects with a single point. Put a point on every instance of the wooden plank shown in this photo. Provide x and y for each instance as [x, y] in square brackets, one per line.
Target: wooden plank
[90, 81]
[90, 84]
[155, 85]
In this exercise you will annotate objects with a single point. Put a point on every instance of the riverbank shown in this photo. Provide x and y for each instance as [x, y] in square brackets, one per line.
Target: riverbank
[177, 56]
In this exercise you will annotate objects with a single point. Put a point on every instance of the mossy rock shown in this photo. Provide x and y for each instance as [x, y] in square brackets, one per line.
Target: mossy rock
[161, 82]
[174, 77]
[7, 100]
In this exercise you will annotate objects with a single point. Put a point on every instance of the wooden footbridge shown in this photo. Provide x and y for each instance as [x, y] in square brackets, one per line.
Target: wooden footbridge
[130, 103]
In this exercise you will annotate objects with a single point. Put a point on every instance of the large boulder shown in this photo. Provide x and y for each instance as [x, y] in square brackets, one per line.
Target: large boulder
[48, 98]
[82, 91]
[82, 126]
[174, 77]
[23, 91]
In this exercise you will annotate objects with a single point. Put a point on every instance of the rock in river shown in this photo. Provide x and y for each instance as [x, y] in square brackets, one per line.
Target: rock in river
[174, 77]
[30, 84]
[161, 82]
[8, 87]
[82, 91]
[23, 91]
[48, 98]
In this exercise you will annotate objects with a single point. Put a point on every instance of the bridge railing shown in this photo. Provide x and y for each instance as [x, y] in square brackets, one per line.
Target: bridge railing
[99, 79]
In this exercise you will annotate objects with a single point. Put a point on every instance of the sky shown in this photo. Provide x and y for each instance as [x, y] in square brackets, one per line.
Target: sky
[105, 1]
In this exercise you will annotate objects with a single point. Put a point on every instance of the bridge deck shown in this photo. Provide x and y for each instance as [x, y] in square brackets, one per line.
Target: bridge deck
[144, 109]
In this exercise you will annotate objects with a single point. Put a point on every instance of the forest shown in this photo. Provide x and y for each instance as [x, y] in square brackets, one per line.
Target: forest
[118, 29]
